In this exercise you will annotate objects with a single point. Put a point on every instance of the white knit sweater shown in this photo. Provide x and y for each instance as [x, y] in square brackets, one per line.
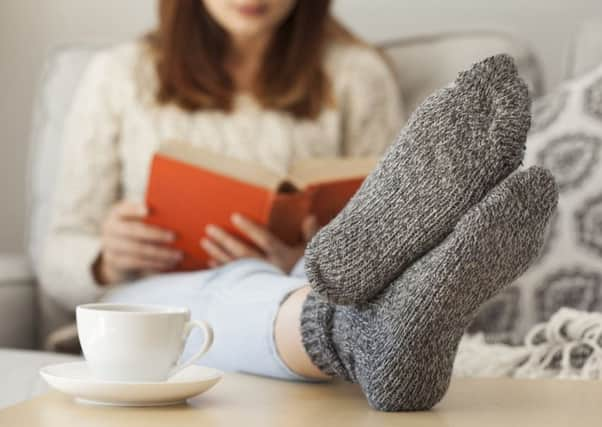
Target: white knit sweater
[115, 126]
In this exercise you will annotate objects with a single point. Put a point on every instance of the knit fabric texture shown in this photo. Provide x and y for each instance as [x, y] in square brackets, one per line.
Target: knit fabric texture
[400, 346]
[440, 227]
[460, 143]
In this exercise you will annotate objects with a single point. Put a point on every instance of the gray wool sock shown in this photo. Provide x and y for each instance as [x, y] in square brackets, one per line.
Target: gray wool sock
[458, 145]
[400, 347]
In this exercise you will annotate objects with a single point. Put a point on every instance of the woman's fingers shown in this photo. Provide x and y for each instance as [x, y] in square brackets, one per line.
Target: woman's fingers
[126, 220]
[132, 262]
[129, 246]
[217, 254]
[310, 227]
[141, 231]
[229, 244]
[143, 250]
[213, 263]
[259, 235]
[130, 210]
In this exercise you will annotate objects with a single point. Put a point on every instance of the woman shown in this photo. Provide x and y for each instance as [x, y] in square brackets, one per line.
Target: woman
[273, 82]
[253, 80]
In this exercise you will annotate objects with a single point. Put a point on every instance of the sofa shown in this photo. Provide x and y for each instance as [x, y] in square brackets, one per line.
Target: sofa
[28, 315]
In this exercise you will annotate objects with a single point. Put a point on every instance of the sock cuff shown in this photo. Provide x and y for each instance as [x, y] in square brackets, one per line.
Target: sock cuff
[316, 331]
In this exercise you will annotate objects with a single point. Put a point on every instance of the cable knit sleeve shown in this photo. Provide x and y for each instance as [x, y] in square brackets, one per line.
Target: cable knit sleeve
[88, 184]
[371, 103]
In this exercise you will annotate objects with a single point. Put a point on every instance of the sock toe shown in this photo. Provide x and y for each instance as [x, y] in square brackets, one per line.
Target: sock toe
[492, 71]
[498, 86]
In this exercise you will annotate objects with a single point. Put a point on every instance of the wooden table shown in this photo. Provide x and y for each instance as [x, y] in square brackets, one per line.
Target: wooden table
[241, 400]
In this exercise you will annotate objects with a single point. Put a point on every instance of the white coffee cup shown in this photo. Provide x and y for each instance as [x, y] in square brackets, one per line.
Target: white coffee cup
[141, 343]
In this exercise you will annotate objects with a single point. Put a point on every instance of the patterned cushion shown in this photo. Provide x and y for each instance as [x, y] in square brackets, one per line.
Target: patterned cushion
[566, 137]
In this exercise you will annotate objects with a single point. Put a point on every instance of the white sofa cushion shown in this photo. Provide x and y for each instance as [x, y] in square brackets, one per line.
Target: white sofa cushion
[427, 63]
[60, 78]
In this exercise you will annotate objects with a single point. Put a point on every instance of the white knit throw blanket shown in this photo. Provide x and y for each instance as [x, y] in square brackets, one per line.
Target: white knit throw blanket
[567, 346]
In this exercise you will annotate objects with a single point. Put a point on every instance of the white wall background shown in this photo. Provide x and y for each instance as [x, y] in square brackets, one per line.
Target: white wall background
[30, 29]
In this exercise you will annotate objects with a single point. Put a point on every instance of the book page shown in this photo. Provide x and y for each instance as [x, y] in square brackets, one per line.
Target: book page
[220, 164]
[317, 171]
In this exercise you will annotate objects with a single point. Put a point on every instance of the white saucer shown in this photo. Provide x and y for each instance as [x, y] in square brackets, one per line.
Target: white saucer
[76, 380]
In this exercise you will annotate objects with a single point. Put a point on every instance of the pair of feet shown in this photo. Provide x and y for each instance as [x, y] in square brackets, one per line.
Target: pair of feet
[440, 226]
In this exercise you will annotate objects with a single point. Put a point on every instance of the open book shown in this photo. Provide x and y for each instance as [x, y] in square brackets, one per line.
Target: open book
[190, 187]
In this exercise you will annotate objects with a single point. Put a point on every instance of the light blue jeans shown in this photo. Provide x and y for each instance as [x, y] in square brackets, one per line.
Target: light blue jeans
[240, 300]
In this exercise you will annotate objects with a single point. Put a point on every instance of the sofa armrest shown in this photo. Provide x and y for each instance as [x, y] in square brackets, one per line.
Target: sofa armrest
[17, 302]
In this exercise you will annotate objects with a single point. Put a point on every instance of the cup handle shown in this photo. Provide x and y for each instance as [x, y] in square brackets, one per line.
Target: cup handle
[207, 342]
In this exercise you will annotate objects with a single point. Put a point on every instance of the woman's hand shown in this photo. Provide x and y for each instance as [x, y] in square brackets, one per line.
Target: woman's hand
[132, 248]
[222, 247]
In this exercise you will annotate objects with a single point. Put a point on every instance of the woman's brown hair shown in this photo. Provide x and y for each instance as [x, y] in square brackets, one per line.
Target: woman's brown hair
[190, 48]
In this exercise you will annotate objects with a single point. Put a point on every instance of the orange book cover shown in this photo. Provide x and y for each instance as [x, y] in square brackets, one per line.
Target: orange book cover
[190, 188]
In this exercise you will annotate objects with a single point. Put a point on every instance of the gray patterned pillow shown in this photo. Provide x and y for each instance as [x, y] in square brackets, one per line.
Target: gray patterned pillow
[566, 137]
